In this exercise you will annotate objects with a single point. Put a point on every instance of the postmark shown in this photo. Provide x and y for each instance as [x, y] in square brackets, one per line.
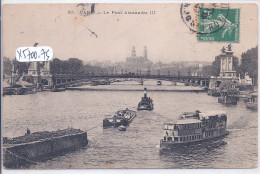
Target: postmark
[218, 25]
[190, 15]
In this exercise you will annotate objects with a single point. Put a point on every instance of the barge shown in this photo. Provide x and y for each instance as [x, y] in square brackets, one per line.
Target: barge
[31, 147]
[120, 118]
[194, 127]
[228, 96]
[146, 103]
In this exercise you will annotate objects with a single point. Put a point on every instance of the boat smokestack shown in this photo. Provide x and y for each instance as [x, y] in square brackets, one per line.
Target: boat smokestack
[145, 93]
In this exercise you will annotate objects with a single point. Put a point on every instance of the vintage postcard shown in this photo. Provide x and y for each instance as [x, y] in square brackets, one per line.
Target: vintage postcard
[130, 86]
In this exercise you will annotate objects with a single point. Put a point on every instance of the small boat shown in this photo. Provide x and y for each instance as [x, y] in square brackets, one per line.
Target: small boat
[159, 82]
[252, 102]
[193, 127]
[121, 117]
[242, 94]
[122, 128]
[214, 92]
[141, 81]
[94, 83]
[146, 103]
[14, 91]
[104, 82]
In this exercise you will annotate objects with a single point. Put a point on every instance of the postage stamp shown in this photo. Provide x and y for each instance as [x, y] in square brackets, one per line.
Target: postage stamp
[219, 25]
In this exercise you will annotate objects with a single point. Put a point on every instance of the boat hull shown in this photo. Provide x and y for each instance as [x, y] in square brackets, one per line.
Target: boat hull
[145, 108]
[231, 100]
[16, 155]
[252, 106]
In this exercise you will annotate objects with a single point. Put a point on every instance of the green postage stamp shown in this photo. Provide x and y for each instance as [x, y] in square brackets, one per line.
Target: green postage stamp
[219, 24]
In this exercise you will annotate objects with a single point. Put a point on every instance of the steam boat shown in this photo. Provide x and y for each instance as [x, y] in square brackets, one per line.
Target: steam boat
[146, 103]
[193, 127]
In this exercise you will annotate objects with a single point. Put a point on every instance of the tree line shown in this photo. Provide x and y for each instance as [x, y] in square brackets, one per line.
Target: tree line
[57, 66]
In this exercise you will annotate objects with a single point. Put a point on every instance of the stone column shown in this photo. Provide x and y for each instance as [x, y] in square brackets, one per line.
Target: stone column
[226, 63]
[231, 63]
[221, 64]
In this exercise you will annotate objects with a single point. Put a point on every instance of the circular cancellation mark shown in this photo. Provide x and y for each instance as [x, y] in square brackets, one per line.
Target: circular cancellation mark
[204, 18]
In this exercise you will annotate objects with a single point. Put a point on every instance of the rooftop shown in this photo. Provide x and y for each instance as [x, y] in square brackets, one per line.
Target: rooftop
[188, 121]
[212, 113]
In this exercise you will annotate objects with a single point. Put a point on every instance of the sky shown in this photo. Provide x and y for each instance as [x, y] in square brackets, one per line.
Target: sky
[166, 36]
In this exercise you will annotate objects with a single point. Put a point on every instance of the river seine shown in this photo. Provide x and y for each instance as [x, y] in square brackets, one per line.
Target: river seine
[138, 146]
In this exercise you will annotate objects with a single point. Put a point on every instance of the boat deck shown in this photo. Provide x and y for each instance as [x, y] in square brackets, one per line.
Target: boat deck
[40, 135]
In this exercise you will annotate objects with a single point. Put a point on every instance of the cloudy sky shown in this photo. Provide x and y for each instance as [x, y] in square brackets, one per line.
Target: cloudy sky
[166, 36]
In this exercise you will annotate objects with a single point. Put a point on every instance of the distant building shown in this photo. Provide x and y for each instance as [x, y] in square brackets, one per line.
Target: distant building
[135, 63]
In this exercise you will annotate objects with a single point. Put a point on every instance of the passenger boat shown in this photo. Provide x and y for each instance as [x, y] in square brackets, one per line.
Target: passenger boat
[193, 127]
[252, 101]
[121, 117]
[146, 103]
[159, 82]
[228, 96]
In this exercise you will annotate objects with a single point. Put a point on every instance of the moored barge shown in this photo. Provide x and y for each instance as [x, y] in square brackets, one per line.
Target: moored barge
[193, 127]
[36, 146]
[228, 96]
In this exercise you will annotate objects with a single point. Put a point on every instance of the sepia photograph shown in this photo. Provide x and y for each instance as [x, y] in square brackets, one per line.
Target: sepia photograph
[129, 86]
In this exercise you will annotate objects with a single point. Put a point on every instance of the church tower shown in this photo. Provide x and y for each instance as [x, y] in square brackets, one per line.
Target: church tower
[133, 52]
[145, 52]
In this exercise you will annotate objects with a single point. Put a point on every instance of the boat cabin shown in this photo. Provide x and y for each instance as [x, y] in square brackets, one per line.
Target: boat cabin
[183, 130]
